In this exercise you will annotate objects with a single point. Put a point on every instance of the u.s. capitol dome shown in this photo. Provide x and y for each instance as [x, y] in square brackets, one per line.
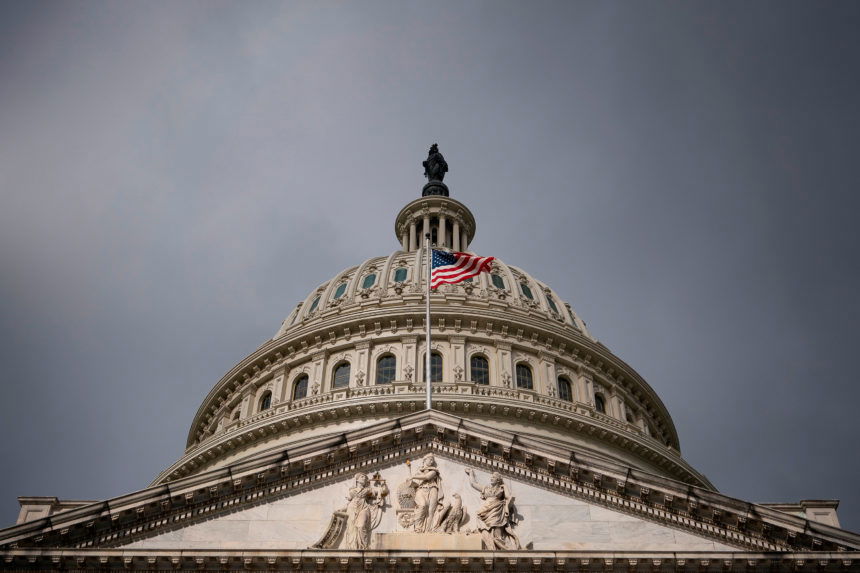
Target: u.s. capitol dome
[506, 351]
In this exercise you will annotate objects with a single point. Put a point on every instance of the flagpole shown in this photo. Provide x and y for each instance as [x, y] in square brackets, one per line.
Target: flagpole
[427, 374]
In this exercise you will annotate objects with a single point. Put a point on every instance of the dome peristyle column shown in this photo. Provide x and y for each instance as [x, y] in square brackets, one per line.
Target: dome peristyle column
[440, 216]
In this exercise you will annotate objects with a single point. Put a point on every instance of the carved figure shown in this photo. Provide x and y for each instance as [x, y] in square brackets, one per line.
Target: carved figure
[364, 510]
[496, 518]
[435, 165]
[452, 516]
[428, 494]
[458, 374]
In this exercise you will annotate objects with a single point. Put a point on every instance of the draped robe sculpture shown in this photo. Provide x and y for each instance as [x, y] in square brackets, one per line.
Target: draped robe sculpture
[496, 518]
[428, 494]
[364, 510]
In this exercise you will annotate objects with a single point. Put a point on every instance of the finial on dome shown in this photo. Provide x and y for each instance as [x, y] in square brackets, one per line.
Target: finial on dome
[435, 168]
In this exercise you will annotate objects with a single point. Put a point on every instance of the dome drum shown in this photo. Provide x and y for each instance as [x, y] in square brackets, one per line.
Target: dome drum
[633, 426]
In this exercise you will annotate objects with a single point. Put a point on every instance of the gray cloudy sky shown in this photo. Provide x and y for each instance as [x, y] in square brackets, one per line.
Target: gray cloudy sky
[175, 177]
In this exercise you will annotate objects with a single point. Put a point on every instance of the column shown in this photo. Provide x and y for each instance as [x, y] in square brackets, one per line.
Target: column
[464, 242]
[503, 366]
[413, 244]
[362, 363]
[547, 375]
[456, 237]
[247, 404]
[618, 406]
[586, 388]
[440, 237]
[404, 240]
[318, 375]
[458, 358]
[278, 385]
[426, 230]
[409, 359]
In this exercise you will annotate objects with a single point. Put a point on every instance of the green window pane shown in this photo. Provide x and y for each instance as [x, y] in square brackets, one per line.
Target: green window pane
[400, 275]
[552, 304]
[526, 291]
[498, 281]
[368, 281]
[314, 304]
[341, 288]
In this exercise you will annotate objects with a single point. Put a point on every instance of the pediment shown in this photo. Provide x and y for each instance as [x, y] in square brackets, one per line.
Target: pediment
[545, 520]
[286, 498]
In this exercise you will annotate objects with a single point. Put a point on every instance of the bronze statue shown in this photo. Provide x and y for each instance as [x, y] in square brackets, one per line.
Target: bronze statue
[435, 167]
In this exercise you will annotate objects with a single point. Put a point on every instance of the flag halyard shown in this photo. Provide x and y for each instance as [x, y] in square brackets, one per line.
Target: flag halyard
[450, 268]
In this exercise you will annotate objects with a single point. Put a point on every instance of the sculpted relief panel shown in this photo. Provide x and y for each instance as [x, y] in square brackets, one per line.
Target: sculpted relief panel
[434, 502]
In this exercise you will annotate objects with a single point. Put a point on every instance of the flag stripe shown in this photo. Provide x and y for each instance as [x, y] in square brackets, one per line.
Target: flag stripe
[450, 268]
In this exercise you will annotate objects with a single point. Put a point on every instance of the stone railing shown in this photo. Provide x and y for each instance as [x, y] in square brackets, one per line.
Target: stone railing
[443, 391]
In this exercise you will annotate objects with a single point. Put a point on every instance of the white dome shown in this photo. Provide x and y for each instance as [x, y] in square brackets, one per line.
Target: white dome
[506, 351]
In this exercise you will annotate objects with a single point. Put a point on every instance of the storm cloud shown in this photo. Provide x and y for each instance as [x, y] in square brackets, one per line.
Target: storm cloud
[176, 177]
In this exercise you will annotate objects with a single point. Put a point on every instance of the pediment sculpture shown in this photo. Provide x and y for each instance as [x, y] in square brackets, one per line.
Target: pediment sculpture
[496, 516]
[362, 514]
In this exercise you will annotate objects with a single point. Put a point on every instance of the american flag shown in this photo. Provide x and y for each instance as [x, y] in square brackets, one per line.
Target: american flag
[455, 267]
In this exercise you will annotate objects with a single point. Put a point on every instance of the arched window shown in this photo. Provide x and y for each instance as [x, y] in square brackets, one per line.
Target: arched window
[314, 304]
[237, 413]
[435, 367]
[551, 303]
[368, 281]
[480, 370]
[300, 387]
[386, 368]
[266, 401]
[565, 391]
[498, 281]
[400, 275]
[599, 403]
[338, 292]
[527, 292]
[341, 376]
[524, 376]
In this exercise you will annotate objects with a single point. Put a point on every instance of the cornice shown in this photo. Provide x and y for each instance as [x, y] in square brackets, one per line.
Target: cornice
[429, 561]
[272, 476]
